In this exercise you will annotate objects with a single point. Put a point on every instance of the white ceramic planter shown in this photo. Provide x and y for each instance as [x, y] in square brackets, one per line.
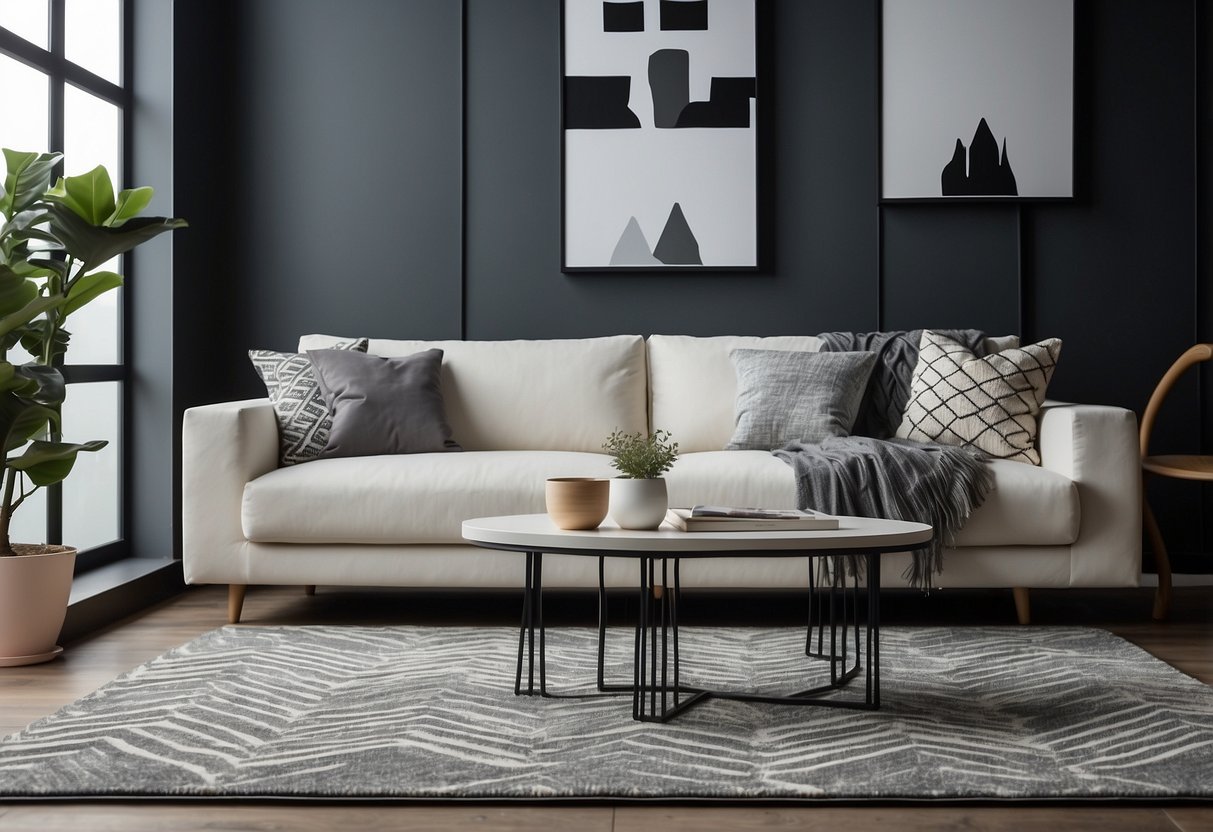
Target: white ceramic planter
[34, 590]
[638, 504]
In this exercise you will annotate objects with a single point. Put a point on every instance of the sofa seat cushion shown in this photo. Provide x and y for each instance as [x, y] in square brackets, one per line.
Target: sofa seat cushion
[413, 498]
[731, 478]
[1028, 506]
[423, 498]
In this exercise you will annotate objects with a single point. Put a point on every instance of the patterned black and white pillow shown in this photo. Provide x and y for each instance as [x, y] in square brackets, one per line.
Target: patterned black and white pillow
[304, 420]
[991, 402]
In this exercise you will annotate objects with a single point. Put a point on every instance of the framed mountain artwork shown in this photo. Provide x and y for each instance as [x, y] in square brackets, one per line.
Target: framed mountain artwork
[977, 100]
[659, 136]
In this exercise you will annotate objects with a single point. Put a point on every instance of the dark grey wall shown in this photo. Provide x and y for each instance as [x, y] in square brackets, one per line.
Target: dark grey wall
[399, 175]
[348, 120]
[209, 285]
[951, 266]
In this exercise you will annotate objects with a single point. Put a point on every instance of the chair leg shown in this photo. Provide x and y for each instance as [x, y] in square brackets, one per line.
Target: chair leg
[1023, 610]
[235, 602]
[309, 589]
[1162, 595]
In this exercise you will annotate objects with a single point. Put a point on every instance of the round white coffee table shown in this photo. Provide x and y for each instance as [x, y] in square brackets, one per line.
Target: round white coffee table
[655, 695]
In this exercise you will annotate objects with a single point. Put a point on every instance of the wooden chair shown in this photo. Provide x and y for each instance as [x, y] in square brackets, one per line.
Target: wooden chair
[1180, 466]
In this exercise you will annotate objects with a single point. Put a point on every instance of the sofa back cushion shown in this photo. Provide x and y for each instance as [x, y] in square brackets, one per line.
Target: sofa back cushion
[693, 386]
[557, 395]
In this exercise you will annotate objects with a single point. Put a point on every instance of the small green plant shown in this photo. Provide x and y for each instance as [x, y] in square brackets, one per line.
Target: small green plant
[641, 457]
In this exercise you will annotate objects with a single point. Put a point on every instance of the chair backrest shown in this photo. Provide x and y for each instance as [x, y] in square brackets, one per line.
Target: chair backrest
[1194, 355]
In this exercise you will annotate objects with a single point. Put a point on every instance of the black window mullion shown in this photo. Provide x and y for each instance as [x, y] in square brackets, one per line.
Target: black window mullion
[58, 45]
[55, 64]
[59, 27]
[21, 49]
[126, 75]
[95, 85]
[89, 373]
[54, 493]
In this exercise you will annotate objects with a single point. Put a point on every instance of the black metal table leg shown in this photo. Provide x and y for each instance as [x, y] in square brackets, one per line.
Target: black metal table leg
[638, 663]
[654, 698]
[675, 598]
[833, 628]
[658, 694]
[602, 622]
[874, 628]
[526, 618]
[532, 619]
[652, 641]
[543, 675]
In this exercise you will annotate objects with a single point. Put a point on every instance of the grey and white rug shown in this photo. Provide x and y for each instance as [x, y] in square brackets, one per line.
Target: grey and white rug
[412, 712]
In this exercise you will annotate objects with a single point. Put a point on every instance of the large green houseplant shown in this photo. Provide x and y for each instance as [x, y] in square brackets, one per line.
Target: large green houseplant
[53, 242]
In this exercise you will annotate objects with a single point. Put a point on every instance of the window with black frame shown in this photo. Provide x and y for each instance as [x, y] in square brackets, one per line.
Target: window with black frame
[61, 89]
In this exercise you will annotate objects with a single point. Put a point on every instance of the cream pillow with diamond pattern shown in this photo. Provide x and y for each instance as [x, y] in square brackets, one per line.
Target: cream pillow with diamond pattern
[991, 403]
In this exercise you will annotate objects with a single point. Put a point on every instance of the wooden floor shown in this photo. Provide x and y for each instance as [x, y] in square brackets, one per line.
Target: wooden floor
[1186, 641]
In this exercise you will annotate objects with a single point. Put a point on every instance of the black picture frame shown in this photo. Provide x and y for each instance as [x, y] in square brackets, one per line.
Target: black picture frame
[937, 80]
[608, 227]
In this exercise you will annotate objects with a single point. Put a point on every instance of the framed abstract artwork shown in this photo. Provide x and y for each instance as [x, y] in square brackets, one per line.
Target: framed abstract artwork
[977, 100]
[659, 136]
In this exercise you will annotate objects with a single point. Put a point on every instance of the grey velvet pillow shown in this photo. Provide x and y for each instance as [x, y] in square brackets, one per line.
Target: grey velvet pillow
[383, 405]
[785, 397]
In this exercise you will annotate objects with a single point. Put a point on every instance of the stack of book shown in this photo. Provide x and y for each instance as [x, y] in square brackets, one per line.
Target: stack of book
[731, 519]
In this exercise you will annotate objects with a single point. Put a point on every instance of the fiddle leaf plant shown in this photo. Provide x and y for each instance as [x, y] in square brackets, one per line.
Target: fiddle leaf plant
[53, 242]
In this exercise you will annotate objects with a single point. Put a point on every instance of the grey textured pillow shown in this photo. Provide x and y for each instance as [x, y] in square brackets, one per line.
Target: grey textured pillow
[383, 405]
[785, 397]
[303, 415]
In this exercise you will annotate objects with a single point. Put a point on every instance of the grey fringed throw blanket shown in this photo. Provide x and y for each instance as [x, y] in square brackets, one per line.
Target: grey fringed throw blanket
[896, 479]
[889, 387]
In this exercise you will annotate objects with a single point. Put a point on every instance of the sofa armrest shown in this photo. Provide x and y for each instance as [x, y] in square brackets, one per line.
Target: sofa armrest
[223, 447]
[1096, 447]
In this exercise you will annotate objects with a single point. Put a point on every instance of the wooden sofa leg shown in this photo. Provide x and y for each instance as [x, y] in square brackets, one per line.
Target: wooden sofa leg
[1162, 562]
[1023, 610]
[309, 589]
[235, 602]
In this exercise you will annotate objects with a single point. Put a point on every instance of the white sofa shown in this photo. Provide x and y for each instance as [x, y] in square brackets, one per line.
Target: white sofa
[528, 410]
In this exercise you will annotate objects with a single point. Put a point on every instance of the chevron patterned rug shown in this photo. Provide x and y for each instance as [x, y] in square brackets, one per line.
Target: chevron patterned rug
[413, 712]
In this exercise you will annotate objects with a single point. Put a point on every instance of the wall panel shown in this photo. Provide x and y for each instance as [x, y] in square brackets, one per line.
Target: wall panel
[349, 122]
[954, 267]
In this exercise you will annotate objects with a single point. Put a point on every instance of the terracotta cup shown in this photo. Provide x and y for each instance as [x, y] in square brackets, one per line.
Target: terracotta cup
[577, 502]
